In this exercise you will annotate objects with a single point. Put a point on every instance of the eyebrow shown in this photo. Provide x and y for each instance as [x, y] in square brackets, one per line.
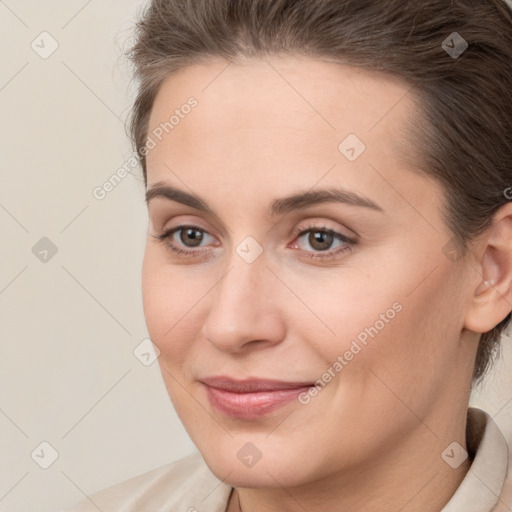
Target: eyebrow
[279, 206]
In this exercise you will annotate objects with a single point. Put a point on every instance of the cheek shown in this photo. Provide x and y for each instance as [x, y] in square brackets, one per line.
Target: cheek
[385, 322]
[343, 310]
[167, 305]
[413, 356]
[176, 303]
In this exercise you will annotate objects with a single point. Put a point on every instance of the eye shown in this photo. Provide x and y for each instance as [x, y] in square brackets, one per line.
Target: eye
[189, 236]
[321, 239]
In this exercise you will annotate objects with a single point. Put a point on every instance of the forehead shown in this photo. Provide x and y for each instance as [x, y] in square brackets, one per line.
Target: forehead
[281, 122]
[291, 102]
[283, 89]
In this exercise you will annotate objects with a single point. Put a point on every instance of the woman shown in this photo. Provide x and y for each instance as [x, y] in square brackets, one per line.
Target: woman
[328, 267]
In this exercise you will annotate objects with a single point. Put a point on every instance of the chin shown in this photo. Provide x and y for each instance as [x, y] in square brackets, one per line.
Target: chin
[275, 468]
[262, 475]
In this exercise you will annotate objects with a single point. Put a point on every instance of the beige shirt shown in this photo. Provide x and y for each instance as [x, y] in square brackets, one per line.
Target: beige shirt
[187, 485]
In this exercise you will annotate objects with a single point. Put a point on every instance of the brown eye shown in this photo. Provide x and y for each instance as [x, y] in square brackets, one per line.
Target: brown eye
[185, 240]
[324, 243]
[320, 240]
[192, 235]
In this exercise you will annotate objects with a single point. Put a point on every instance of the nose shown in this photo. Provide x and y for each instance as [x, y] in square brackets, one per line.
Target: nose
[245, 308]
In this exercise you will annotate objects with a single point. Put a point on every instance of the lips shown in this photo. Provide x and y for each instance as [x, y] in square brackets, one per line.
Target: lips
[251, 385]
[250, 398]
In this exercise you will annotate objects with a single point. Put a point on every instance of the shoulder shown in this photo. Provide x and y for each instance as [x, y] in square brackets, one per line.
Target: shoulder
[486, 486]
[187, 485]
[505, 501]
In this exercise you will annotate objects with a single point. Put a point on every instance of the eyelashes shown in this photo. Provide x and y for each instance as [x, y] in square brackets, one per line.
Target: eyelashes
[326, 234]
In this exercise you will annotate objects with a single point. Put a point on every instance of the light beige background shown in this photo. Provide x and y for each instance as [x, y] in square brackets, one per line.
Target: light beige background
[69, 326]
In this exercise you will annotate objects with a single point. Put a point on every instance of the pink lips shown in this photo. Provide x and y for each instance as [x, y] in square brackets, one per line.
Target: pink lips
[251, 398]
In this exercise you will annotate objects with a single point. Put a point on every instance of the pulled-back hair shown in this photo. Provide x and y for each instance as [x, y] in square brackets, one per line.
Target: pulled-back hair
[463, 137]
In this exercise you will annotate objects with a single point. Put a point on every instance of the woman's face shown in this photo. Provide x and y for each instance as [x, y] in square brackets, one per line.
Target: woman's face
[359, 294]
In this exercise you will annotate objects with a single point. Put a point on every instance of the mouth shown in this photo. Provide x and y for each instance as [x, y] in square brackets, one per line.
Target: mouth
[251, 398]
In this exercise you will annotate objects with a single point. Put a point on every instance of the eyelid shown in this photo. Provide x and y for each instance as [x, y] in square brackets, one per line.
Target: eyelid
[321, 225]
[318, 225]
[161, 214]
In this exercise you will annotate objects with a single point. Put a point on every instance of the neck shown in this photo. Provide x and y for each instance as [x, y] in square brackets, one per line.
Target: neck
[392, 480]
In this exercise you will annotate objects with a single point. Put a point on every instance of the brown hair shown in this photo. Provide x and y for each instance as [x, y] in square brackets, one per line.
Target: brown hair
[464, 135]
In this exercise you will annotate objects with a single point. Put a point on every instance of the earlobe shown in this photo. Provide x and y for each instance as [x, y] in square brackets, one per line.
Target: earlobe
[491, 301]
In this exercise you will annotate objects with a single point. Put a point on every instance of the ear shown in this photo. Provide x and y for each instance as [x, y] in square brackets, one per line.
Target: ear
[491, 300]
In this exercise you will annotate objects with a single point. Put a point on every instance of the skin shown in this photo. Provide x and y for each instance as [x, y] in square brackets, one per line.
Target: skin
[372, 438]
